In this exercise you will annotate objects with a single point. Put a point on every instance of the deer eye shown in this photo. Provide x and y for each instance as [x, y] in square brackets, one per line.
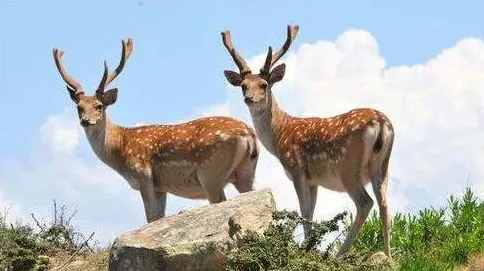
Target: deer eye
[263, 85]
[99, 106]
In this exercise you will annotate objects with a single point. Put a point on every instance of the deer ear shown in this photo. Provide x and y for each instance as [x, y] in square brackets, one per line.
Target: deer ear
[109, 96]
[72, 93]
[277, 73]
[234, 78]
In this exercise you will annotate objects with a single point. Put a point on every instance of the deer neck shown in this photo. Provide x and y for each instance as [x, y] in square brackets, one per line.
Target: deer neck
[268, 123]
[106, 140]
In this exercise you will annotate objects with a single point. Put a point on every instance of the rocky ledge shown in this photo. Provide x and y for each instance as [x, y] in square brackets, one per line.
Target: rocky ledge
[188, 241]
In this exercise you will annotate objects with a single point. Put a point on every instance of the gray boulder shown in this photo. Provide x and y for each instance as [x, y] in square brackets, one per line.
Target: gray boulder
[186, 241]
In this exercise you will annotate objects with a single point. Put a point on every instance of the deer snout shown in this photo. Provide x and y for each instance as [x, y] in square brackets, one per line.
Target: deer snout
[249, 99]
[85, 122]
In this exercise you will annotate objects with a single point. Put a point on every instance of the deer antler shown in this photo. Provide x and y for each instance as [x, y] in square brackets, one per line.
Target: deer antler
[103, 84]
[127, 49]
[239, 61]
[268, 63]
[70, 81]
[271, 59]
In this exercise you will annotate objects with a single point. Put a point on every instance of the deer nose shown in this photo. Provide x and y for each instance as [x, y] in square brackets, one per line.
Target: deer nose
[249, 99]
[84, 122]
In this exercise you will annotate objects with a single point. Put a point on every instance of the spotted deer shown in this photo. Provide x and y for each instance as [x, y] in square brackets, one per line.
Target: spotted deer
[342, 153]
[194, 160]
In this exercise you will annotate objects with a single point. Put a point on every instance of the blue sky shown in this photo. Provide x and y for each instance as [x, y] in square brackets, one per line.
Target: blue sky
[176, 69]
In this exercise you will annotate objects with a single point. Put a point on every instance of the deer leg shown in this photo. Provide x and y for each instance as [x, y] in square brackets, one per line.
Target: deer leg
[244, 175]
[363, 203]
[313, 192]
[213, 184]
[380, 190]
[150, 201]
[307, 196]
[215, 194]
[160, 204]
[214, 176]
[379, 184]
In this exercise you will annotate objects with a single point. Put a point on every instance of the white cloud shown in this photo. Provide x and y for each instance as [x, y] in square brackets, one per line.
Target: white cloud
[437, 108]
[216, 110]
[59, 134]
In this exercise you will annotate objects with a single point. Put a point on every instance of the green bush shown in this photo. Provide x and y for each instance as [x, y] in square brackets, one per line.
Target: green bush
[27, 247]
[19, 249]
[276, 249]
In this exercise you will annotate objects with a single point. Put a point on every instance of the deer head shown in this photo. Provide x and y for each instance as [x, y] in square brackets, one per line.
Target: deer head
[256, 88]
[91, 109]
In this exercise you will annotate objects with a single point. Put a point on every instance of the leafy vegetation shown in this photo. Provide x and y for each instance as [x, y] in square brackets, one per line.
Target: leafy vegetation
[27, 247]
[276, 249]
[446, 238]
[432, 239]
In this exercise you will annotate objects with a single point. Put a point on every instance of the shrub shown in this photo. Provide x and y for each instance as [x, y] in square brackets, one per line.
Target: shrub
[276, 249]
[26, 247]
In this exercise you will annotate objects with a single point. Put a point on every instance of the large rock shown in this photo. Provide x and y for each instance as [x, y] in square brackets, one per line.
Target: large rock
[173, 243]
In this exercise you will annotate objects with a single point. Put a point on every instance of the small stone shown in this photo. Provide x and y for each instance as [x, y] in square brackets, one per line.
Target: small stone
[378, 259]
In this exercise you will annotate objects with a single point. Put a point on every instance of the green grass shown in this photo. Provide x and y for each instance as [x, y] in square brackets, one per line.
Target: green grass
[434, 238]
